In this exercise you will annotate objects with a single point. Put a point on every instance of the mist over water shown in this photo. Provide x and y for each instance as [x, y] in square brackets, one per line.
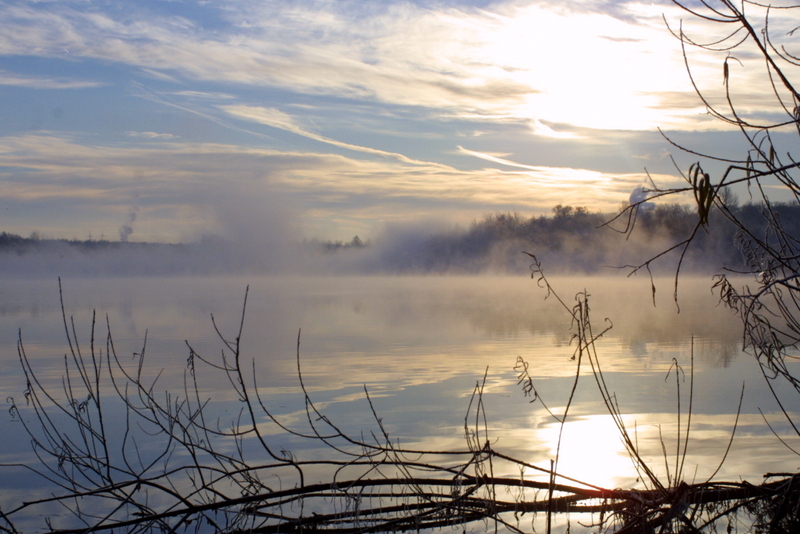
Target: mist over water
[261, 238]
[419, 344]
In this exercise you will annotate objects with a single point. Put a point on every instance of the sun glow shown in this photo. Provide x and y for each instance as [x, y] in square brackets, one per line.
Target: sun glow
[588, 69]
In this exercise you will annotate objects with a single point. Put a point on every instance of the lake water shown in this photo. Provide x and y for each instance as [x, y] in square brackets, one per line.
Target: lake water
[419, 345]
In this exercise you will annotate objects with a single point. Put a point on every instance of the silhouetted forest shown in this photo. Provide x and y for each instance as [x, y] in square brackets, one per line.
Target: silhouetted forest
[569, 240]
[575, 240]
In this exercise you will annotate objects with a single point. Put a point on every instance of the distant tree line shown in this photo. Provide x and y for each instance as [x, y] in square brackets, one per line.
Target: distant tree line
[35, 242]
[569, 240]
[576, 240]
[334, 246]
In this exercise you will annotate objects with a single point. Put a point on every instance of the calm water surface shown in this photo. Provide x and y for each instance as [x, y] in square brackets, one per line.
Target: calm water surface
[420, 345]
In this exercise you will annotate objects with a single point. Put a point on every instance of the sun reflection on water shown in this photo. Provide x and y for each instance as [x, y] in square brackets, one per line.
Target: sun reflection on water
[591, 451]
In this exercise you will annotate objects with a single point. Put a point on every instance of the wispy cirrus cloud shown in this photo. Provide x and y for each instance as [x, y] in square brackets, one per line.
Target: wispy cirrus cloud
[177, 186]
[358, 112]
[513, 60]
[151, 135]
[278, 119]
[538, 168]
[205, 95]
[32, 82]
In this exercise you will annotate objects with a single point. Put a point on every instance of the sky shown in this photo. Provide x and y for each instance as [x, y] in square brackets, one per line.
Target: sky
[169, 120]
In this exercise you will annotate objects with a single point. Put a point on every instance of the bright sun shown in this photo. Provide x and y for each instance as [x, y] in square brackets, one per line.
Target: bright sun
[587, 69]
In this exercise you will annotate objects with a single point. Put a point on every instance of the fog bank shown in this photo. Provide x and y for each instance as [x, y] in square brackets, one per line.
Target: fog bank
[570, 241]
